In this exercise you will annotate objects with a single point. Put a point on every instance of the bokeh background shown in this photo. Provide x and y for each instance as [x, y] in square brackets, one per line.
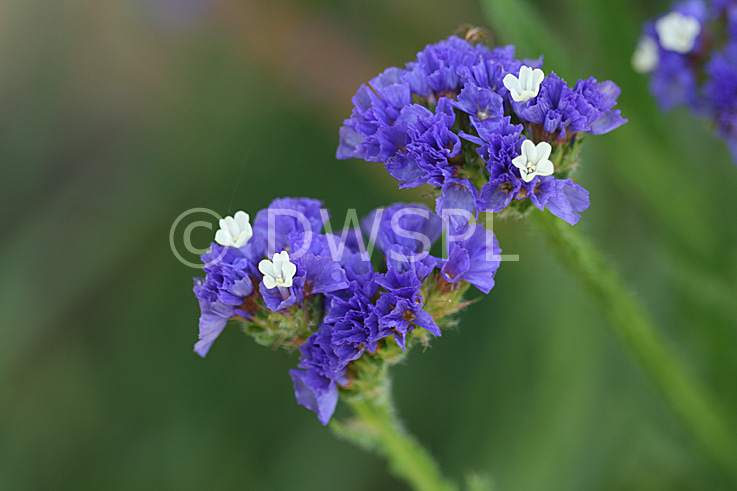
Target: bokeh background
[116, 117]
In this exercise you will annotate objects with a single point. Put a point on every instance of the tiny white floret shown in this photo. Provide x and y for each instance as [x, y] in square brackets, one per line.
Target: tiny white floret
[279, 271]
[234, 231]
[645, 58]
[677, 32]
[534, 160]
[526, 86]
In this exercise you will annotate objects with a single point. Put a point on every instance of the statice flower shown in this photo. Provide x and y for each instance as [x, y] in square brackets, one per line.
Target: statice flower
[375, 306]
[321, 293]
[400, 306]
[273, 225]
[313, 271]
[409, 225]
[473, 259]
[461, 118]
[690, 54]
[221, 293]
[242, 279]
[316, 382]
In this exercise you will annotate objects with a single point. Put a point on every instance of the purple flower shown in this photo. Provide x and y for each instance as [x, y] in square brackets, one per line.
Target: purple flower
[596, 102]
[221, 292]
[674, 82]
[280, 298]
[691, 56]
[721, 90]
[438, 65]
[376, 105]
[497, 194]
[415, 120]
[563, 111]
[400, 307]
[353, 322]
[474, 259]
[316, 383]
[562, 197]
[402, 259]
[432, 144]
[350, 139]
[480, 103]
[693, 8]
[458, 201]
[273, 225]
[498, 143]
[316, 272]
[331, 277]
[490, 70]
[412, 226]
[323, 271]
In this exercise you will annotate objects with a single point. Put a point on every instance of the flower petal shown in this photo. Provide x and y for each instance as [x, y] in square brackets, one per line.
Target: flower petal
[267, 268]
[543, 151]
[223, 238]
[544, 168]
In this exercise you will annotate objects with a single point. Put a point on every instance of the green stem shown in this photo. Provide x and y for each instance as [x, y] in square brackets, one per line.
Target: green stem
[693, 404]
[377, 428]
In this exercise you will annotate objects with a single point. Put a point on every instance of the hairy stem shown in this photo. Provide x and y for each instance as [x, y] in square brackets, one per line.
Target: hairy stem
[376, 428]
[697, 408]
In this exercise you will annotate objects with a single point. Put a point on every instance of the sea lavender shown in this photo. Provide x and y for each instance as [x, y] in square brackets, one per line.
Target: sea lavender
[322, 294]
[690, 54]
[489, 132]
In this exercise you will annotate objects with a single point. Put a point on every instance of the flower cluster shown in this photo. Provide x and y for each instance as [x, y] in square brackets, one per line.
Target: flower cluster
[691, 56]
[488, 131]
[292, 285]
[245, 274]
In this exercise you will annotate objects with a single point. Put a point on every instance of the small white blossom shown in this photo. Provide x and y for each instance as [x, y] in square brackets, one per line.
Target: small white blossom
[278, 272]
[677, 32]
[534, 160]
[234, 231]
[645, 58]
[526, 86]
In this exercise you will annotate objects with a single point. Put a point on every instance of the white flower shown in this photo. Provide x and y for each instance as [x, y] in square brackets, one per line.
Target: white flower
[526, 86]
[534, 160]
[278, 272]
[677, 32]
[645, 57]
[234, 232]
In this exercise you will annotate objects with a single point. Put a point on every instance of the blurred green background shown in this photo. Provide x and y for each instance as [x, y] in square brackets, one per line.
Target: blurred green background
[119, 116]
